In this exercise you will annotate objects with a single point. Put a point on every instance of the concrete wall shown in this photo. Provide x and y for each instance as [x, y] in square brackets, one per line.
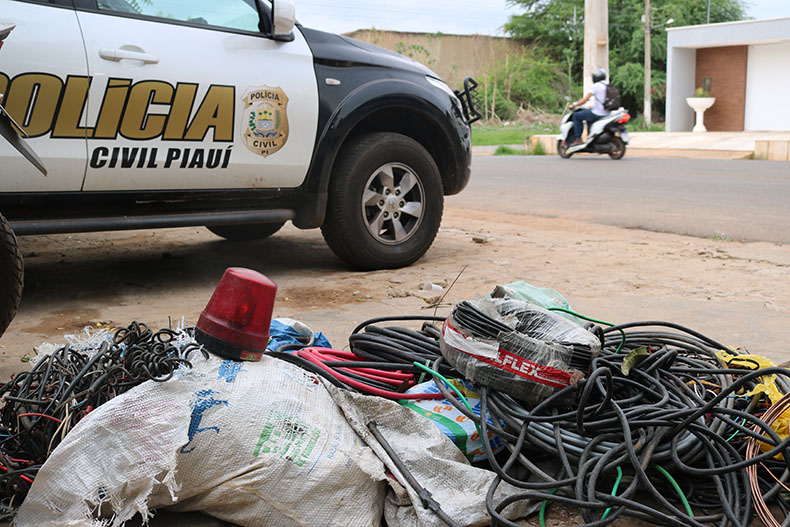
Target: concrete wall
[730, 33]
[763, 92]
[767, 107]
[726, 67]
[453, 57]
[682, 63]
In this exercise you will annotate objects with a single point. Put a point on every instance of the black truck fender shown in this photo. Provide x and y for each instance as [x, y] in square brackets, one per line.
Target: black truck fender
[423, 113]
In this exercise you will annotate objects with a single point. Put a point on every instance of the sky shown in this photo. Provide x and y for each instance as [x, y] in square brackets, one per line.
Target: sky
[462, 17]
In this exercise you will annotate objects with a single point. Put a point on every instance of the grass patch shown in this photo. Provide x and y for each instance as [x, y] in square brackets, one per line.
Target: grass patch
[498, 135]
[503, 150]
[638, 125]
[510, 134]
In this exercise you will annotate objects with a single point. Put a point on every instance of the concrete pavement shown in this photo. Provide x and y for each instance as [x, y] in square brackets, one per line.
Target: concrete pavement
[743, 144]
[707, 145]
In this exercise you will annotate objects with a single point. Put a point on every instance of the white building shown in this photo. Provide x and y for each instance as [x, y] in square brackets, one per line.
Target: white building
[748, 64]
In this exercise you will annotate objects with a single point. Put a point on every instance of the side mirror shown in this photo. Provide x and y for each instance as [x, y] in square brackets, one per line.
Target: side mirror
[283, 19]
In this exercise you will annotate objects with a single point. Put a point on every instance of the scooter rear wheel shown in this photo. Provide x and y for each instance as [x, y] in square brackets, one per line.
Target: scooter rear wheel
[618, 148]
[562, 149]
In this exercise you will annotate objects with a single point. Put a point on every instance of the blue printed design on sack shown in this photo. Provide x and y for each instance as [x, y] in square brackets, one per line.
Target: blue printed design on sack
[229, 369]
[204, 399]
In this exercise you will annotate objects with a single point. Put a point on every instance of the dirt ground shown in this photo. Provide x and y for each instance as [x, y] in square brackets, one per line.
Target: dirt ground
[737, 293]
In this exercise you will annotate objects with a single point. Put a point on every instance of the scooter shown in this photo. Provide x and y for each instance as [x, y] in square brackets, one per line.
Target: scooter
[9, 129]
[607, 135]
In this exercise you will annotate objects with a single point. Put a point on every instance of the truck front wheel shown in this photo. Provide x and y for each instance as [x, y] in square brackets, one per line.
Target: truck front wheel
[11, 274]
[385, 202]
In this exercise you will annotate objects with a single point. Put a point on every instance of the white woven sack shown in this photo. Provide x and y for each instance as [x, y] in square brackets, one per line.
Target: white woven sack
[432, 458]
[255, 444]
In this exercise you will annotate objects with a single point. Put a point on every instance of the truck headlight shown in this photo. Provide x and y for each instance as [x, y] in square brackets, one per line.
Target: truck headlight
[446, 89]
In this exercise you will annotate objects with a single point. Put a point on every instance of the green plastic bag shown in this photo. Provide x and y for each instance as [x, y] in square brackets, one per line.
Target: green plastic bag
[540, 296]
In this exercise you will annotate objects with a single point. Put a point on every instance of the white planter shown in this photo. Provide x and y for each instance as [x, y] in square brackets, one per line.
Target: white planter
[699, 105]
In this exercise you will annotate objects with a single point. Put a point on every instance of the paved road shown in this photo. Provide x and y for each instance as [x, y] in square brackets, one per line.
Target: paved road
[738, 200]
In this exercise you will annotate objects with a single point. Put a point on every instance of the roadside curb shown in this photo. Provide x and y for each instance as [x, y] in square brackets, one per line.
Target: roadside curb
[661, 145]
[690, 153]
[488, 150]
[772, 146]
[549, 143]
[666, 153]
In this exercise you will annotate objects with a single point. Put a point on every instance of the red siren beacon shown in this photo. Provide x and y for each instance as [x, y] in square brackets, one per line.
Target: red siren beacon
[235, 323]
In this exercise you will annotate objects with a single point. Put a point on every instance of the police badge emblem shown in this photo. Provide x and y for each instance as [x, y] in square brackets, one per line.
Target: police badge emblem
[265, 125]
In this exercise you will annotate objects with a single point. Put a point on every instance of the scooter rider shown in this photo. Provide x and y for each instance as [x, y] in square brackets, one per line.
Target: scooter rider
[597, 111]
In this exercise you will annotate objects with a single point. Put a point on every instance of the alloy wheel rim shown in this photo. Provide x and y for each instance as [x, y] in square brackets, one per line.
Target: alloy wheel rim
[393, 203]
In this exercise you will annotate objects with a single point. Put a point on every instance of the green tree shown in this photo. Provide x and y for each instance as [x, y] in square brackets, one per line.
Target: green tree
[549, 24]
[527, 79]
[554, 25]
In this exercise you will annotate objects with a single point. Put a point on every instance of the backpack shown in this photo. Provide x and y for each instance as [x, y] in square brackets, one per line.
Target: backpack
[612, 100]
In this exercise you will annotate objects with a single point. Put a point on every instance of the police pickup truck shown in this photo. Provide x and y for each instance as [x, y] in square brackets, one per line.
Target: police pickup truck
[167, 113]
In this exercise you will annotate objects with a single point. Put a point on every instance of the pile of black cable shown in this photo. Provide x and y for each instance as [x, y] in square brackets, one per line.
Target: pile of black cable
[517, 347]
[42, 405]
[399, 344]
[658, 431]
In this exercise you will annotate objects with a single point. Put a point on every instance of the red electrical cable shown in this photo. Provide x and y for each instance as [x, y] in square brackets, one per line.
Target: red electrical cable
[317, 355]
[41, 415]
[393, 378]
[26, 478]
[338, 355]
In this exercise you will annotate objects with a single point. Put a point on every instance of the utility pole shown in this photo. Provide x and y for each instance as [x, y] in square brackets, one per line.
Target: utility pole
[596, 39]
[707, 14]
[648, 106]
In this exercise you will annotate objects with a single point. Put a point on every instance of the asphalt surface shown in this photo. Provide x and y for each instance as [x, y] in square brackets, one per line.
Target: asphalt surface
[716, 199]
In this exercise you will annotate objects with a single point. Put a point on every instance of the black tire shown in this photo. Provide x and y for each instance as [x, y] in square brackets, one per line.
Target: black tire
[242, 233]
[11, 274]
[562, 149]
[618, 148]
[403, 196]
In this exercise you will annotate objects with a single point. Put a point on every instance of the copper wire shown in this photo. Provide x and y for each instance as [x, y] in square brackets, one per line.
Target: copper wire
[752, 450]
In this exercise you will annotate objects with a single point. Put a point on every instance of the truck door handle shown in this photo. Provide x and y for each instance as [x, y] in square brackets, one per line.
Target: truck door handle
[120, 54]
